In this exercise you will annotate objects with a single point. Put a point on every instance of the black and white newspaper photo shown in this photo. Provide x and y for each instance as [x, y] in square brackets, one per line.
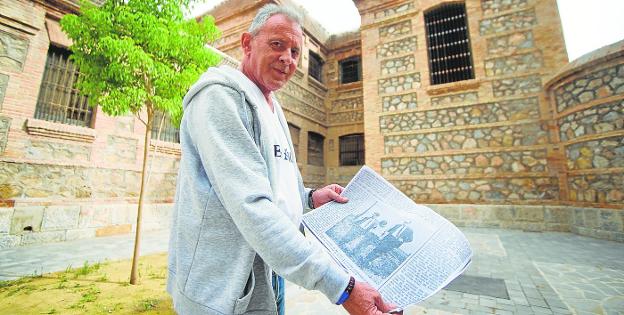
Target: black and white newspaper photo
[406, 251]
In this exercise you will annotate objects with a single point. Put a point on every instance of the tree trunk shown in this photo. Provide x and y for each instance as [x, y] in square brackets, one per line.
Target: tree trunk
[137, 238]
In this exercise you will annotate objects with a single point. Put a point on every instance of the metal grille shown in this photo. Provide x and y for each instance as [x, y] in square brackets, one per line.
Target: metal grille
[450, 59]
[315, 66]
[294, 135]
[350, 70]
[59, 100]
[352, 149]
[168, 132]
[315, 149]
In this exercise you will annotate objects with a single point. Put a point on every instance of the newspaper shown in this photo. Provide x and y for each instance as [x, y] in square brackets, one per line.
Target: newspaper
[406, 251]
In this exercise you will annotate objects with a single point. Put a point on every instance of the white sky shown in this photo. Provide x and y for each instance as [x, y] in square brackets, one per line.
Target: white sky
[587, 24]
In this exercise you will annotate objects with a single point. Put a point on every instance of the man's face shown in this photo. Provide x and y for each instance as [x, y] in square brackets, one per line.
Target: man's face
[271, 55]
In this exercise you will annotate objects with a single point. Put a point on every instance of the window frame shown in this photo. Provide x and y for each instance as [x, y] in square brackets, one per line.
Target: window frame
[319, 159]
[292, 128]
[60, 76]
[460, 48]
[169, 133]
[359, 149]
[358, 70]
[315, 66]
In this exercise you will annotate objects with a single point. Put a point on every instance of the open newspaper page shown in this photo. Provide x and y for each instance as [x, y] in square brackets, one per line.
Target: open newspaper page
[406, 251]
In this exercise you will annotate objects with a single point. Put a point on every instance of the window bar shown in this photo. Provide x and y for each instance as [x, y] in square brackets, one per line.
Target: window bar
[57, 91]
[72, 109]
[41, 109]
[54, 77]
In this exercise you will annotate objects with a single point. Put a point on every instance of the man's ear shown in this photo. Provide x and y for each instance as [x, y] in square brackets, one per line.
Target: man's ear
[246, 43]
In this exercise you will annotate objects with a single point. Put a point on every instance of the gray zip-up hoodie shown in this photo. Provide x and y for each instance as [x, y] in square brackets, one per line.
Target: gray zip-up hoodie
[226, 233]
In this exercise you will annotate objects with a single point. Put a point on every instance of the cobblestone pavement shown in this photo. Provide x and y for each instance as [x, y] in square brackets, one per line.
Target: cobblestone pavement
[543, 273]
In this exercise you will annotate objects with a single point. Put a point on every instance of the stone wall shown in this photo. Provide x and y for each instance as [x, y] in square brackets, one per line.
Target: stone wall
[587, 99]
[60, 182]
[484, 145]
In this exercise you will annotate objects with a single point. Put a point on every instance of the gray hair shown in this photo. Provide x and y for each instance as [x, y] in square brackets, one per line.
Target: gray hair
[268, 11]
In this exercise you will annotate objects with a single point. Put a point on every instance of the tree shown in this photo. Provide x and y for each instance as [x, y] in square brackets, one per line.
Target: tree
[139, 56]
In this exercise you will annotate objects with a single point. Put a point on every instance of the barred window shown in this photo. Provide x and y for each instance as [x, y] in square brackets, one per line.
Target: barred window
[315, 66]
[59, 100]
[294, 135]
[352, 149]
[168, 132]
[450, 57]
[350, 70]
[315, 149]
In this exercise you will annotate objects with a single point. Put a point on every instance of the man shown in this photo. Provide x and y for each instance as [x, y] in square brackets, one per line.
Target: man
[239, 197]
[391, 240]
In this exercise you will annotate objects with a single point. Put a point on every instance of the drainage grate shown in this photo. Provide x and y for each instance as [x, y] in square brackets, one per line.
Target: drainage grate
[479, 286]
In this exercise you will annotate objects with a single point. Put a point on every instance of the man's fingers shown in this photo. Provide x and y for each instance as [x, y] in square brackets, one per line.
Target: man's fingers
[339, 198]
[382, 305]
[337, 188]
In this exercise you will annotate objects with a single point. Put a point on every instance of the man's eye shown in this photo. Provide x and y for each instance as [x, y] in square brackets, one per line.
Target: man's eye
[294, 52]
[276, 44]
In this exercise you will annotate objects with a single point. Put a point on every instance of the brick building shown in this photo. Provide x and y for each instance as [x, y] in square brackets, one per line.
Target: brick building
[470, 107]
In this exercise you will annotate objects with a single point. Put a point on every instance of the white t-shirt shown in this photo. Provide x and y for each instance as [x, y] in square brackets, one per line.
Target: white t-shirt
[287, 188]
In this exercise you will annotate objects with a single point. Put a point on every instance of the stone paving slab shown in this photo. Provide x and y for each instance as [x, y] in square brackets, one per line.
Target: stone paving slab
[544, 273]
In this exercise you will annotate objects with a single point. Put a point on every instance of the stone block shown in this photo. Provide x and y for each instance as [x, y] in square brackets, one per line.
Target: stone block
[26, 219]
[610, 220]
[448, 211]
[5, 219]
[505, 213]
[60, 218]
[557, 227]
[470, 213]
[5, 123]
[487, 213]
[113, 230]
[591, 218]
[578, 217]
[8, 241]
[151, 226]
[43, 237]
[490, 224]
[557, 215]
[531, 213]
[14, 49]
[92, 216]
[533, 226]
[125, 214]
[79, 234]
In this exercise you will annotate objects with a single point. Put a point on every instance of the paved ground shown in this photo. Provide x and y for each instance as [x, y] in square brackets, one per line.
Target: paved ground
[542, 273]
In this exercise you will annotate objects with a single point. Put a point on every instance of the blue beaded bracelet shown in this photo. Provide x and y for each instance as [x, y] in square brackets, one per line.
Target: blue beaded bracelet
[347, 291]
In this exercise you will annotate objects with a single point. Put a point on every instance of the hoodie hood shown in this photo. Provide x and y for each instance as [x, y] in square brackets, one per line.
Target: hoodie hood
[226, 76]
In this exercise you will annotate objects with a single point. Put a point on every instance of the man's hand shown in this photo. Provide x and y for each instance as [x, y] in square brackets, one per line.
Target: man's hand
[328, 193]
[364, 300]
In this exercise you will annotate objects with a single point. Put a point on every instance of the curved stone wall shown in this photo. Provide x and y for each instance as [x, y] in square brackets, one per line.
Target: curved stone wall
[587, 101]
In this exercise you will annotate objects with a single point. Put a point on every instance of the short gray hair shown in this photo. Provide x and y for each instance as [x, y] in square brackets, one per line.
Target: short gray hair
[270, 10]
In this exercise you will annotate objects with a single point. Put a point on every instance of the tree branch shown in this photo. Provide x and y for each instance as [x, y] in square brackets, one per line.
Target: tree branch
[139, 118]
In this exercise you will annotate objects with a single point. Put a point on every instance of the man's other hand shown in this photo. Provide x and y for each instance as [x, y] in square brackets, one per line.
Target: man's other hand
[365, 300]
[328, 193]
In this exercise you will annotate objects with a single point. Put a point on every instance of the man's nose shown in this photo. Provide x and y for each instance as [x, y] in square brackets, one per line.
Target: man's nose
[286, 58]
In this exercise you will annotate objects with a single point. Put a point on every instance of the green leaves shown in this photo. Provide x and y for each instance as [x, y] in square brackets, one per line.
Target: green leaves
[138, 53]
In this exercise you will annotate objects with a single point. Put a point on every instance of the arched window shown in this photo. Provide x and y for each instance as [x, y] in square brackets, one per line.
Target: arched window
[352, 149]
[448, 43]
[315, 149]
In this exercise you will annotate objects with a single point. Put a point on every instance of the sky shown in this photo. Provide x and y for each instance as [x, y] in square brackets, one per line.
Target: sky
[587, 24]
